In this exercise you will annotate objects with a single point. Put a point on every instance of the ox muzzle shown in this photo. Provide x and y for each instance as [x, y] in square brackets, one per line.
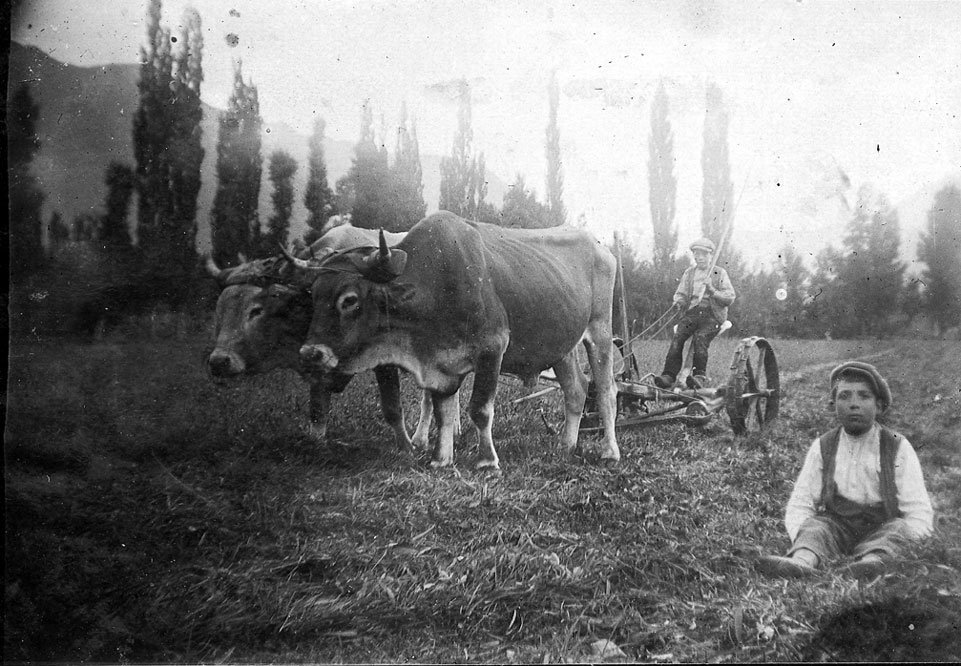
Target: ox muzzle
[224, 364]
[320, 357]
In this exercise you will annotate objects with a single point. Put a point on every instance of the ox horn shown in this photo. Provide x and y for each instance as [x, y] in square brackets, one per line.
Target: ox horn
[383, 264]
[215, 271]
[299, 263]
[384, 250]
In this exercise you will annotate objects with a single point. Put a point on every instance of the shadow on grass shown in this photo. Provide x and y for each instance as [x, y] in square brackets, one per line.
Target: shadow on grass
[924, 628]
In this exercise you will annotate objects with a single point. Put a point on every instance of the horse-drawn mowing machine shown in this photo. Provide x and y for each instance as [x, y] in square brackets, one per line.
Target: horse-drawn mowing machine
[751, 396]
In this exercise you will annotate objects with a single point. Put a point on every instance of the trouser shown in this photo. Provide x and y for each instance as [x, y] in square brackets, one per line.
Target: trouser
[700, 324]
[835, 534]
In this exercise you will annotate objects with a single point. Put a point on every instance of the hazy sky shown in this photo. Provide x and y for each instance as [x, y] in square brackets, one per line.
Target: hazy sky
[872, 89]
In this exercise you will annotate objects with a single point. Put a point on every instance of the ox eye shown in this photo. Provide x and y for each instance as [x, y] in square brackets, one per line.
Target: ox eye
[255, 312]
[348, 303]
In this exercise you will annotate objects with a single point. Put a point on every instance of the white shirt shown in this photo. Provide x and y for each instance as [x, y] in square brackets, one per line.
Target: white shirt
[857, 472]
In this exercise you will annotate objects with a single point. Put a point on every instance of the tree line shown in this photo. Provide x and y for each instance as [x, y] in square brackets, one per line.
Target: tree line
[859, 290]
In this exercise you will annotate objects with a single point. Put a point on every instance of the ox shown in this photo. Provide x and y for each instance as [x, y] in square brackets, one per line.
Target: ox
[262, 319]
[456, 297]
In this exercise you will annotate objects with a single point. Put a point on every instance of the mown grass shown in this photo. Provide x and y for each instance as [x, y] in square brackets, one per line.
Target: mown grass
[154, 516]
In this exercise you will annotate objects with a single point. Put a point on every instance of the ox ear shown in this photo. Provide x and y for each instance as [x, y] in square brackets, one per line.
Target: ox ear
[383, 264]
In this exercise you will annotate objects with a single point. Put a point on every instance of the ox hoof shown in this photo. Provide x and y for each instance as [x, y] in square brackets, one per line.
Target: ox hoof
[610, 463]
[490, 467]
[440, 464]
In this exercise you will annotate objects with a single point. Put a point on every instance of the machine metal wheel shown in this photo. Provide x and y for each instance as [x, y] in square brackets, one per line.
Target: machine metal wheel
[753, 394]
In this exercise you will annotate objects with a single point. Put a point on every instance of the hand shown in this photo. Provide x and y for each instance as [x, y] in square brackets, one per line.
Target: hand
[709, 290]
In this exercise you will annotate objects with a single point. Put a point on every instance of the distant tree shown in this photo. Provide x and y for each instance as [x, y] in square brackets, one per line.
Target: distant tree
[522, 209]
[790, 312]
[407, 177]
[940, 249]
[345, 194]
[912, 300]
[151, 129]
[462, 183]
[555, 171]
[863, 296]
[26, 195]
[488, 213]
[167, 148]
[235, 221]
[114, 231]
[718, 190]
[57, 230]
[642, 307]
[281, 170]
[186, 148]
[318, 198]
[825, 309]
[755, 311]
[663, 193]
[366, 186]
[84, 227]
[482, 184]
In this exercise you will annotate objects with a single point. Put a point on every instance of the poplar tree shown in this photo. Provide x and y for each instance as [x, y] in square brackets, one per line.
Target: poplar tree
[114, 233]
[368, 179]
[235, 222]
[940, 249]
[407, 176]
[462, 184]
[281, 170]
[151, 134]
[555, 172]
[186, 148]
[522, 209]
[318, 197]
[26, 196]
[663, 184]
[167, 148]
[58, 231]
[718, 190]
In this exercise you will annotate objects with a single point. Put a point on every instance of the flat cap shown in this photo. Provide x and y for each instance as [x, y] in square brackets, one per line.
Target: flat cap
[868, 373]
[703, 244]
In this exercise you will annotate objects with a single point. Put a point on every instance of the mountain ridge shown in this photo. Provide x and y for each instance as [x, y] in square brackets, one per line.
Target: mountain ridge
[86, 121]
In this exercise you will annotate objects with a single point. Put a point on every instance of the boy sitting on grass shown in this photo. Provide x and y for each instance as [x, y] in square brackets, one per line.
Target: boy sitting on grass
[860, 492]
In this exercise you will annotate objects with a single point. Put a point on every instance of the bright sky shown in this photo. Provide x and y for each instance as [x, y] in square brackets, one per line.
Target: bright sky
[812, 88]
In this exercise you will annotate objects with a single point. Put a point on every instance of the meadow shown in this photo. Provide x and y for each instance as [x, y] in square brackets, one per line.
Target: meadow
[153, 516]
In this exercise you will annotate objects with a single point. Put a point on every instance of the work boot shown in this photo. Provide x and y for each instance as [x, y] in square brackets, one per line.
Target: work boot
[664, 381]
[696, 382]
[784, 567]
[869, 566]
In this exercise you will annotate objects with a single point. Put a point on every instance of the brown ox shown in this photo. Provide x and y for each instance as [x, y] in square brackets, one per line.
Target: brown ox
[262, 319]
[456, 297]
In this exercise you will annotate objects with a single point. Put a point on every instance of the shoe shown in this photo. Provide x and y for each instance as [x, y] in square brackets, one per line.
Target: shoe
[784, 567]
[664, 381]
[696, 382]
[869, 566]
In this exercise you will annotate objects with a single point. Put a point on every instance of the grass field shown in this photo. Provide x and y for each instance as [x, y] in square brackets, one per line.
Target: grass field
[152, 516]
